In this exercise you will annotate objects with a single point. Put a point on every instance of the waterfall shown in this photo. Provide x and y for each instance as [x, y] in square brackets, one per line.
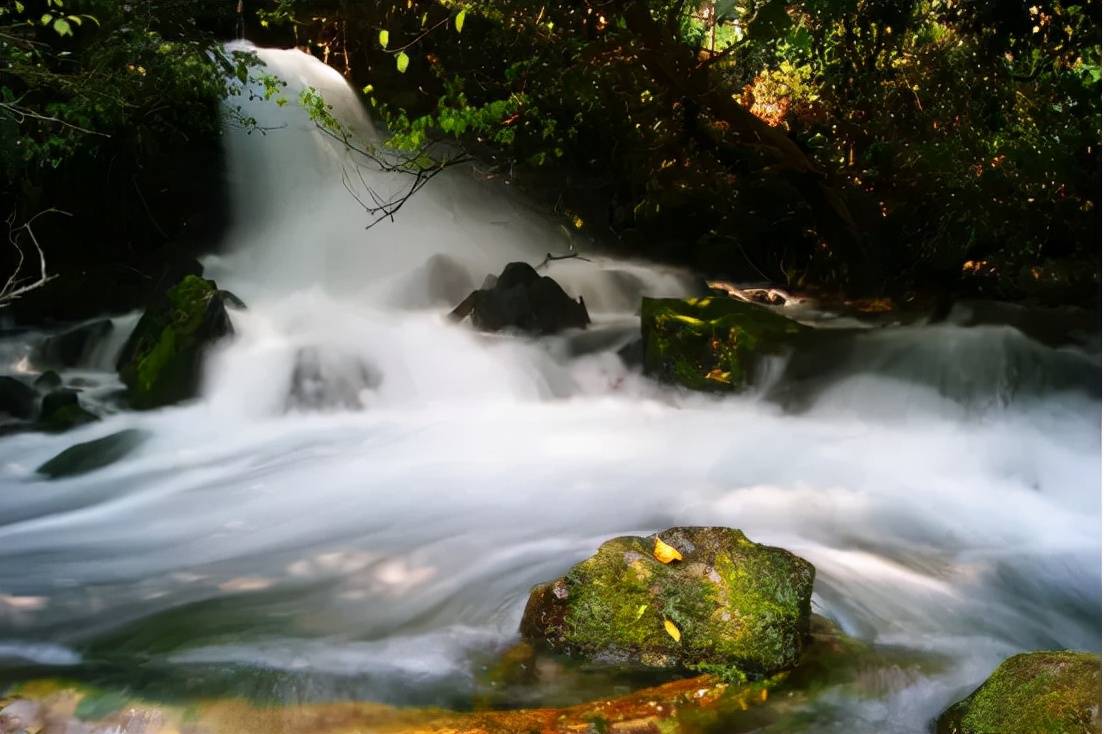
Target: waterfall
[362, 498]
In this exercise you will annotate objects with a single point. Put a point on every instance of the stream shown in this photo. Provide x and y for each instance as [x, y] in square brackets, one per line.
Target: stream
[359, 503]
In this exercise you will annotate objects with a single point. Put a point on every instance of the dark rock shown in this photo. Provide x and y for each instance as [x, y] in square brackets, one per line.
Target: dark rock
[72, 348]
[92, 455]
[522, 299]
[1032, 693]
[327, 381]
[17, 399]
[61, 411]
[729, 605]
[47, 381]
[711, 343]
[232, 301]
[632, 354]
[161, 362]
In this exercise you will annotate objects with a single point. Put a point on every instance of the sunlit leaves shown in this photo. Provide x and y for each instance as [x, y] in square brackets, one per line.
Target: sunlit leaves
[460, 19]
[402, 61]
[384, 38]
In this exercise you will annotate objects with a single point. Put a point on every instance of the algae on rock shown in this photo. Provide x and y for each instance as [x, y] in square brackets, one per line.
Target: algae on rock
[1032, 693]
[162, 359]
[711, 343]
[731, 606]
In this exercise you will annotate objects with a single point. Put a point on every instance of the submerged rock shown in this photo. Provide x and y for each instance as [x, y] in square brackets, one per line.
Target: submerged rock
[92, 455]
[1032, 693]
[728, 605]
[73, 347]
[710, 343]
[328, 380]
[47, 381]
[162, 360]
[61, 411]
[17, 398]
[520, 298]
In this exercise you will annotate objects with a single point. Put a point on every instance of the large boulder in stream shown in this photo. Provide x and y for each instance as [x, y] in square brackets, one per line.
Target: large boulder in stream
[704, 599]
[520, 298]
[712, 343]
[162, 360]
[1032, 693]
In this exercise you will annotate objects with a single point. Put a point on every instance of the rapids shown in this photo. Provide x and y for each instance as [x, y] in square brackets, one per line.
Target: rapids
[361, 500]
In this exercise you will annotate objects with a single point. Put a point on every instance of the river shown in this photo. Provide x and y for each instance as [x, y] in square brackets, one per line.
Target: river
[360, 501]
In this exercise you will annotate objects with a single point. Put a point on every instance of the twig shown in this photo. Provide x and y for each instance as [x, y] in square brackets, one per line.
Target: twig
[21, 114]
[12, 287]
[549, 257]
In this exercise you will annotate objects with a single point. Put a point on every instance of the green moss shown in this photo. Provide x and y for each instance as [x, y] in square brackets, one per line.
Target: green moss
[65, 418]
[712, 343]
[160, 363]
[1032, 693]
[739, 607]
[153, 364]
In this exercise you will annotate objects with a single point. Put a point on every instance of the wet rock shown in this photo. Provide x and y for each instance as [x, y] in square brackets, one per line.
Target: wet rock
[47, 381]
[439, 281]
[1032, 693]
[17, 399]
[712, 343]
[162, 361]
[72, 348]
[729, 606]
[524, 300]
[232, 301]
[632, 354]
[324, 380]
[61, 411]
[92, 455]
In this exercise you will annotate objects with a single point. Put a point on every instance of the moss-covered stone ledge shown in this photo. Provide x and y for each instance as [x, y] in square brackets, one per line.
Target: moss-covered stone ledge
[162, 360]
[1032, 693]
[712, 343]
[699, 599]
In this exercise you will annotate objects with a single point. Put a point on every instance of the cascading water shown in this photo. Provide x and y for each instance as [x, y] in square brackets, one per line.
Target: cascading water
[360, 502]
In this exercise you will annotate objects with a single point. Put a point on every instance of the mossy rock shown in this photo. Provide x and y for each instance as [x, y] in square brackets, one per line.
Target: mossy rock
[162, 360]
[711, 343]
[92, 455]
[737, 608]
[1032, 693]
[62, 411]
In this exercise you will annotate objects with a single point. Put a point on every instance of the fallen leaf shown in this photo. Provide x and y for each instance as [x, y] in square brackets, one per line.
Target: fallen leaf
[641, 610]
[665, 553]
[672, 630]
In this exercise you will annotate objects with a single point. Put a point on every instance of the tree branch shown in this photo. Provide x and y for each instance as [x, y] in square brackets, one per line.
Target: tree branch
[17, 285]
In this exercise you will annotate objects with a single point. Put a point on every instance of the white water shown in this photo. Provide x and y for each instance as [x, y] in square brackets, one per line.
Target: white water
[382, 525]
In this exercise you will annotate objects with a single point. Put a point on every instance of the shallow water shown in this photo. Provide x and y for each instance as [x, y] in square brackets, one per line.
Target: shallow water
[361, 500]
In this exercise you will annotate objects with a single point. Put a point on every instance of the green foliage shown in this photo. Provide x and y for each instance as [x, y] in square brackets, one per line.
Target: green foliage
[891, 143]
[90, 77]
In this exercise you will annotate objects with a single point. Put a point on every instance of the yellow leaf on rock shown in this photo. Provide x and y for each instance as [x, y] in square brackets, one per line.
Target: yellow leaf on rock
[672, 630]
[665, 553]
